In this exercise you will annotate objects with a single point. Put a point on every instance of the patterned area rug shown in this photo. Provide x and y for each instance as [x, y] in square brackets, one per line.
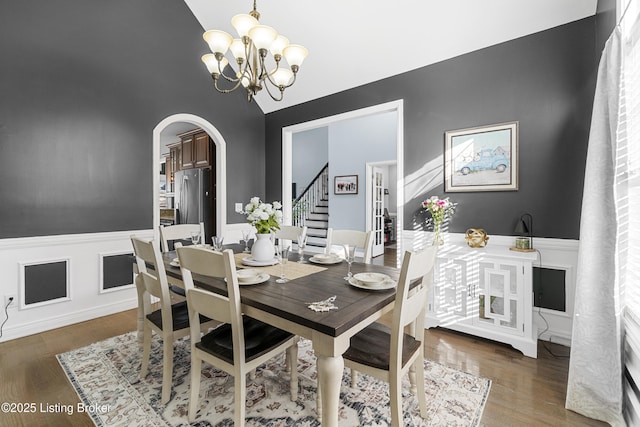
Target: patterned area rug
[105, 376]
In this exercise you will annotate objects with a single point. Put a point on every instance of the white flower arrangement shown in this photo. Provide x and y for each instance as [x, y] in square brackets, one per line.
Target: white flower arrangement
[265, 217]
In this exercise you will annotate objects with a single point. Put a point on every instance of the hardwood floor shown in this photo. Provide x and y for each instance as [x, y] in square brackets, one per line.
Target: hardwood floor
[524, 392]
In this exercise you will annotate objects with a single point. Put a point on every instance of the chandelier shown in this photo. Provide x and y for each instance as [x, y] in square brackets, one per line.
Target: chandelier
[250, 52]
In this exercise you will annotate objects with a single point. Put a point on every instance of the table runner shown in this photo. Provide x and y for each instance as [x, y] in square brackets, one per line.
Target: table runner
[292, 270]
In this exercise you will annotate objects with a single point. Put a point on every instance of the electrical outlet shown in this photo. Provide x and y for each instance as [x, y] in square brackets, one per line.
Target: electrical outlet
[238, 207]
[11, 299]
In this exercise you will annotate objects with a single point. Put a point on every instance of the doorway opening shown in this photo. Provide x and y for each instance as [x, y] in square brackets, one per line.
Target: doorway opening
[169, 128]
[395, 107]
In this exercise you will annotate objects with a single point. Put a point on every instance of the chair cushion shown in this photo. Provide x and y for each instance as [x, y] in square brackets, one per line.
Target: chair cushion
[178, 290]
[180, 315]
[259, 338]
[371, 347]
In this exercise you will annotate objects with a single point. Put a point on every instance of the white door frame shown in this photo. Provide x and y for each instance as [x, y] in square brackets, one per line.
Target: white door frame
[221, 167]
[287, 155]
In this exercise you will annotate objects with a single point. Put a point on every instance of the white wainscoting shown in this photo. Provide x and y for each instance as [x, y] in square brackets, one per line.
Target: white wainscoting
[554, 326]
[88, 302]
[86, 299]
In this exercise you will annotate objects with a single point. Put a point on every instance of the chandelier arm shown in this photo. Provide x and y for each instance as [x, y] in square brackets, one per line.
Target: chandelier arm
[230, 79]
[295, 76]
[266, 86]
[215, 84]
[266, 75]
[282, 88]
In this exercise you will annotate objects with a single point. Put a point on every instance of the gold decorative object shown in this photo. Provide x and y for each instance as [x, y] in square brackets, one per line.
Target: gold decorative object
[476, 237]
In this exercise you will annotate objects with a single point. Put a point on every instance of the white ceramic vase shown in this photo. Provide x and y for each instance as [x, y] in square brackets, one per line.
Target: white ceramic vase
[263, 249]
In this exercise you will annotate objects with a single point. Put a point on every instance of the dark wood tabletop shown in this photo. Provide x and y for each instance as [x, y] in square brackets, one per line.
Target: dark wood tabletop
[290, 300]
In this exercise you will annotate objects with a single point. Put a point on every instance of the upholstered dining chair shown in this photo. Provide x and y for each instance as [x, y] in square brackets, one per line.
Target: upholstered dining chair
[170, 321]
[241, 343]
[360, 239]
[389, 353]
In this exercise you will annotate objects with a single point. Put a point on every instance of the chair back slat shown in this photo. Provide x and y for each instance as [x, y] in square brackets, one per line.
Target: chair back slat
[180, 232]
[214, 306]
[152, 285]
[200, 261]
[360, 239]
[217, 265]
[290, 232]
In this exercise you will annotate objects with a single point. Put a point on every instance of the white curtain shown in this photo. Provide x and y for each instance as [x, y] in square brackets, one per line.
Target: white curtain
[594, 388]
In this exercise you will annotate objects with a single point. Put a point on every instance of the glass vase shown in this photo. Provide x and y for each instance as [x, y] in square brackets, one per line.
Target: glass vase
[438, 235]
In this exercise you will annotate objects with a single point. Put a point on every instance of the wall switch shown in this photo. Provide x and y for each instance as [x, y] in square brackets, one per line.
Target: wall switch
[238, 207]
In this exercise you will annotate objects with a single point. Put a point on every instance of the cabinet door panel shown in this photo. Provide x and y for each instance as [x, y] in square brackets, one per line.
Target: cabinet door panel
[201, 150]
[450, 290]
[187, 153]
[500, 296]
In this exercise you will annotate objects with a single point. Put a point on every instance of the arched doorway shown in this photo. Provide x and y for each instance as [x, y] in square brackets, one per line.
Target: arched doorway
[174, 122]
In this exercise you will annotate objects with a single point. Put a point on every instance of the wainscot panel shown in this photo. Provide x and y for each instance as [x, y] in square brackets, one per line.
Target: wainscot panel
[85, 299]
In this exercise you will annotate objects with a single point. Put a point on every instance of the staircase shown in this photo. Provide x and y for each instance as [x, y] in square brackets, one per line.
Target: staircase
[311, 208]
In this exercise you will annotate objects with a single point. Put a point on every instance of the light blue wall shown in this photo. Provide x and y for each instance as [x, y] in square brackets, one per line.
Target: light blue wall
[310, 152]
[352, 144]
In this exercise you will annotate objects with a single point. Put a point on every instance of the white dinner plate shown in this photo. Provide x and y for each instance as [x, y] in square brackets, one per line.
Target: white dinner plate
[260, 278]
[329, 260]
[253, 263]
[175, 263]
[371, 279]
[387, 284]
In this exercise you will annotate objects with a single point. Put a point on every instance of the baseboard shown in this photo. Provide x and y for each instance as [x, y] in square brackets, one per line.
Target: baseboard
[54, 322]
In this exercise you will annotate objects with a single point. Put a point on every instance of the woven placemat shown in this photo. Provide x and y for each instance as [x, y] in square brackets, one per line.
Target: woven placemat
[292, 269]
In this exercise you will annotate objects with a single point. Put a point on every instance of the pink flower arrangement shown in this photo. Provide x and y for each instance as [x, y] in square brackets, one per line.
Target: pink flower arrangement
[440, 210]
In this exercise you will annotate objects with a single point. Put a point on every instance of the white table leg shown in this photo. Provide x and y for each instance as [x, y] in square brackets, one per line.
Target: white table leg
[330, 377]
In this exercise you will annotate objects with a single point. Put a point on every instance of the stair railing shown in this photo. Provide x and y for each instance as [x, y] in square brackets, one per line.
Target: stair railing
[318, 189]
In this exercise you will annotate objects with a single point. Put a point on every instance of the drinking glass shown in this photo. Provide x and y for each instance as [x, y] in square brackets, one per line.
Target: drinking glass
[245, 237]
[217, 243]
[350, 255]
[195, 237]
[302, 242]
[282, 253]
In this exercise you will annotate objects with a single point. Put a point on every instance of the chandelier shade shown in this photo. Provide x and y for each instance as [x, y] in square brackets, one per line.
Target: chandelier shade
[251, 55]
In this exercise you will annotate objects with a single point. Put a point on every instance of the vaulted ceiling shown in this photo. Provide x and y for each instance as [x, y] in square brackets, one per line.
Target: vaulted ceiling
[355, 42]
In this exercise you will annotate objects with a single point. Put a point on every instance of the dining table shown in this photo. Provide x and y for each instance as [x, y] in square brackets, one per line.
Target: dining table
[287, 306]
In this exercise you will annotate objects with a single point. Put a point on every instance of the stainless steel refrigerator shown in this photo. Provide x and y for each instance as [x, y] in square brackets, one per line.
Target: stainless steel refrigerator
[193, 198]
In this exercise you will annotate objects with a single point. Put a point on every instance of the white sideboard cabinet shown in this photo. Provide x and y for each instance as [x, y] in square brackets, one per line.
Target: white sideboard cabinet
[486, 292]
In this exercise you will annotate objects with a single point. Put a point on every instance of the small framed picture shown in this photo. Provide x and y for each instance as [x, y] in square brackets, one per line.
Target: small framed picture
[482, 159]
[345, 184]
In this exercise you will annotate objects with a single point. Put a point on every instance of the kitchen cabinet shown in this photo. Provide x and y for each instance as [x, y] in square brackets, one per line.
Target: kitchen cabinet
[486, 292]
[175, 156]
[195, 146]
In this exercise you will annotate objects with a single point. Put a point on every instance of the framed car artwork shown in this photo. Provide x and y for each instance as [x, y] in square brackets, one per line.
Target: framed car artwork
[482, 159]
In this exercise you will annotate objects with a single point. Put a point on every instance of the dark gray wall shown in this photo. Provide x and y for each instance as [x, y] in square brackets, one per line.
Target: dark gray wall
[82, 85]
[545, 81]
[605, 22]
